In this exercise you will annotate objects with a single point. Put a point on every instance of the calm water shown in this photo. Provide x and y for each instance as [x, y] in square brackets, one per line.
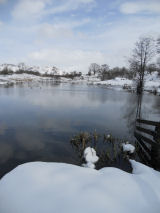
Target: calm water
[37, 122]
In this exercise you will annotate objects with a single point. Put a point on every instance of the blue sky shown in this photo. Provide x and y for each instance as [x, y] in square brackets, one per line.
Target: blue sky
[71, 34]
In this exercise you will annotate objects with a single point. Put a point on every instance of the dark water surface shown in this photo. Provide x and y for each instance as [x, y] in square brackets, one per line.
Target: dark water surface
[37, 122]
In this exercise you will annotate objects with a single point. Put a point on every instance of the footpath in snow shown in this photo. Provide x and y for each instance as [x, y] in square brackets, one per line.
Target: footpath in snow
[62, 188]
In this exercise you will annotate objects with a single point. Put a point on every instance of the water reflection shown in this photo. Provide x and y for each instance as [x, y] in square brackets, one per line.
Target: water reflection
[29, 139]
[156, 104]
[143, 106]
[131, 112]
[3, 128]
[147, 133]
[38, 121]
[6, 152]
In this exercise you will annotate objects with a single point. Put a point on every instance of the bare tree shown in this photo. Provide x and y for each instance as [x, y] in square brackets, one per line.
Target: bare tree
[94, 68]
[158, 45]
[142, 54]
[158, 51]
[103, 70]
[22, 66]
[158, 62]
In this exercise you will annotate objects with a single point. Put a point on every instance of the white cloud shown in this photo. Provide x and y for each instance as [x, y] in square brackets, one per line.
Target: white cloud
[134, 7]
[72, 24]
[70, 5]
[53, 31]
[61, 46]
[63, 42]
[119, 40]
[29, 9]
[63, 29]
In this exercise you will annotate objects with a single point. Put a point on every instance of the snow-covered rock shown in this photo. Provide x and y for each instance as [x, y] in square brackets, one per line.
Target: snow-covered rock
[128, 148]
[108, 136]
[62, 188]
[90, 157]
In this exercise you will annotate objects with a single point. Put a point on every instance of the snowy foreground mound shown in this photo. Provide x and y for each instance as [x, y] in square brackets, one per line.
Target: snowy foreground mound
[56, 188]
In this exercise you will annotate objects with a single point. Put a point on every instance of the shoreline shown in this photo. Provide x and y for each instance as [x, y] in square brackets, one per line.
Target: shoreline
[152, 81]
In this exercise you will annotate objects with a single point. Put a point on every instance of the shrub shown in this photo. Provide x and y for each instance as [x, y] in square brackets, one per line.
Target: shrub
[28, 72]
[72, 75]
[6, 71]
[116, 72]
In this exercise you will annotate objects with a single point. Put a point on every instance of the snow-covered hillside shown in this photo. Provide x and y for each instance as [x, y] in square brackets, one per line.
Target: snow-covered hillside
[50, 70]
[12, 67]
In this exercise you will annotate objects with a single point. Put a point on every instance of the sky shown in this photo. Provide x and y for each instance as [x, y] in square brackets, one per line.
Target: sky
[71, 34]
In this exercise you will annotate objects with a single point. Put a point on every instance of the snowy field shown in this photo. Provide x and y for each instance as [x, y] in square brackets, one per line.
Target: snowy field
[63, 188]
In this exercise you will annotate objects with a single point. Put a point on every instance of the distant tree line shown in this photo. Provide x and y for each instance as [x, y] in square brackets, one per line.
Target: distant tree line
[53, 74]
[105, 73]
[72, 75]
[7, 71]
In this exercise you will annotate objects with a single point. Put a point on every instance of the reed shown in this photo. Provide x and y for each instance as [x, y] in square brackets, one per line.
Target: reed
[108, 148]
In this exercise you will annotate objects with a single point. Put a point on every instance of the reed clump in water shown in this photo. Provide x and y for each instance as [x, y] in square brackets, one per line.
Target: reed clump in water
[107, 147]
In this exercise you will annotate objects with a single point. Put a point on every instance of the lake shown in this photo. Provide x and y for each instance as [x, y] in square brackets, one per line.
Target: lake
[38, 121]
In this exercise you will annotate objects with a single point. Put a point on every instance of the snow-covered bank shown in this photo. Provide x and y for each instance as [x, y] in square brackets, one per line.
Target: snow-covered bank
[62, 188]
[152, 81]
[116, 82]
[23, 78]
[20, 78]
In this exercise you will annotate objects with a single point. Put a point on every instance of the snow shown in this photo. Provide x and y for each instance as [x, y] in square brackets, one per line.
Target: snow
[108, 136]
[15, 78]
[43, 70]
[12, 67]
[3, 83]
[128, 148]
[152, 81]
[62, 188]
[90, 157]
[116, 82]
